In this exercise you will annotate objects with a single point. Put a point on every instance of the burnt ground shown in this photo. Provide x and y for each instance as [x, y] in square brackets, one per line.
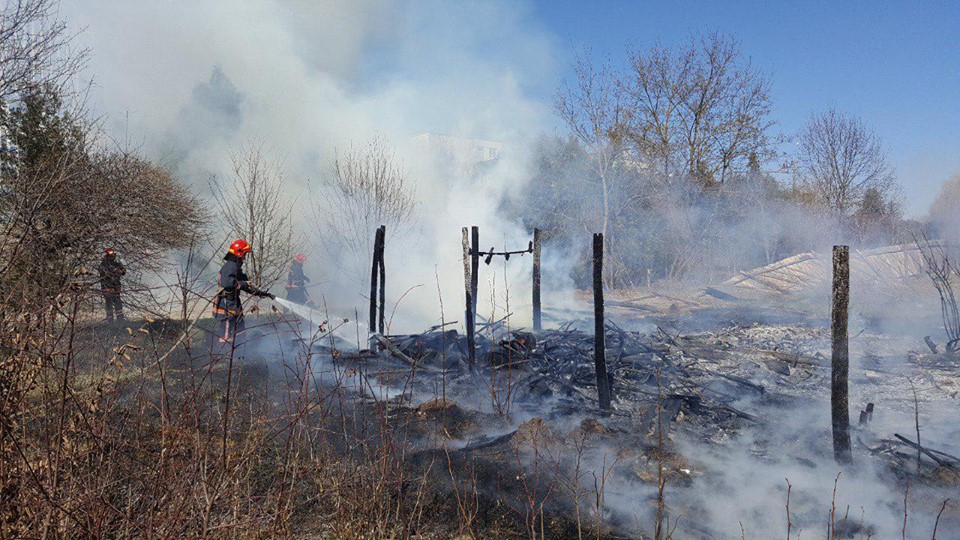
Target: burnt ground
[724, 413]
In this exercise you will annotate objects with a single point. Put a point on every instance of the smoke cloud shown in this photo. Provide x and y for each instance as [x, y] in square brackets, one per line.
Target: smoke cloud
[192, 83]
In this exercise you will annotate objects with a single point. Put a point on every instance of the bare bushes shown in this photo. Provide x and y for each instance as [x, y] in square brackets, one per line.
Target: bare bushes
[72, 461]
[116, 434]
[366, 187]
[64, 199]
[944, 274]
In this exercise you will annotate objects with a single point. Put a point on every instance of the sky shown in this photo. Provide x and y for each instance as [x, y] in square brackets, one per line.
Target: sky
[895, 64]
[315, 75]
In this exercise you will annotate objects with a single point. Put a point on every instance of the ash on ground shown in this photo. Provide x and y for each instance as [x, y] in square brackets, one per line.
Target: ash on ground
[727, 414]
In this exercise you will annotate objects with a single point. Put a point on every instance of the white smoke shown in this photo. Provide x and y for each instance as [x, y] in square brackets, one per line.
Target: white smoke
[193, 82]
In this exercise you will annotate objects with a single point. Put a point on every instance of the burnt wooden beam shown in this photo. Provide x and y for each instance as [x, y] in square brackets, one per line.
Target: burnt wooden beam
[537, 315]
[383, 278]
[467, 280]
[599, 334]
[374, 275]
[932, 454]
[468, 292]
[840, 360]
[471, 266]
[474, 267]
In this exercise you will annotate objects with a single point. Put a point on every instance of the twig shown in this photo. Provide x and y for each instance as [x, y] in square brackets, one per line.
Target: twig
[937, 523]
[903, 532]
[789, 523]
[916, 419]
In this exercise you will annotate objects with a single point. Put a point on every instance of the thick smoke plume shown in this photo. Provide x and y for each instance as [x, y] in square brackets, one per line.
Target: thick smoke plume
[192, 84]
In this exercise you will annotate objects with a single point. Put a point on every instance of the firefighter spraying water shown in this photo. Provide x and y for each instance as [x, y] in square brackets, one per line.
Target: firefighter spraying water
[227, 306]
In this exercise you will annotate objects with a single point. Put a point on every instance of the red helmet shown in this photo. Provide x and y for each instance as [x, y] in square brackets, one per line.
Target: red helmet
[240, 248]
[300, 258]
[109, 251]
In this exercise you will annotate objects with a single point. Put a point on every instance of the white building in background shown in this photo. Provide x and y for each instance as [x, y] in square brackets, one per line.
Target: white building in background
[463, 151]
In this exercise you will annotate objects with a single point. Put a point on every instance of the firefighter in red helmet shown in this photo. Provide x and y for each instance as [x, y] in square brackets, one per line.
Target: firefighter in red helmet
[297, 281]
[227, 307]
[111, 270]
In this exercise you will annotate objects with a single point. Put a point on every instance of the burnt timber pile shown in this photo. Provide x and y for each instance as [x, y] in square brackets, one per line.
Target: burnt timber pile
[734, 386]
[696, 376]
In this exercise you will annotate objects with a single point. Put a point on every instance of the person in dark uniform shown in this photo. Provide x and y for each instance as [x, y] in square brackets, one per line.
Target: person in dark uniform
[227, 306]
[297, 281]
[111, 270]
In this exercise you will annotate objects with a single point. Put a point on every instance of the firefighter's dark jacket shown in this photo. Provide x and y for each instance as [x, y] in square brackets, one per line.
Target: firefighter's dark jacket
[232, 280]
[295, 278]
[111, 270]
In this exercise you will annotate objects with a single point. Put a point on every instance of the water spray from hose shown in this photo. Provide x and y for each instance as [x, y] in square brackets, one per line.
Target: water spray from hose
[316, 320]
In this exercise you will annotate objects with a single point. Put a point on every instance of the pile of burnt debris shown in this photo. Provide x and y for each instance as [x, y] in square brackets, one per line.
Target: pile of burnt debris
[700, 381]
[709, 385]
[736, 386]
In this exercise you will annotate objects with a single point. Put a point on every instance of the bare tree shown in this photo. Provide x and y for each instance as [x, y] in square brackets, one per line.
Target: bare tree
[254, 206]
[840, 159]
[943, 273]
[366, 187]
[697, 111]
[592, 107]
[36, 48]
[700, 109]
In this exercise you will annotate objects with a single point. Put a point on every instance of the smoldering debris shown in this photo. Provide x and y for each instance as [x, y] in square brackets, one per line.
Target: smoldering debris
[688, 410]
[704, 377]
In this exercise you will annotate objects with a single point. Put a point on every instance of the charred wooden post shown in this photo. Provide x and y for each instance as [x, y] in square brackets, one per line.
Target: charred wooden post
[840, 365]
[474, 267]
[383, 278]
[537, 323]
[467, 281]
[374, 274]
[599, 337]
[471, 266]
